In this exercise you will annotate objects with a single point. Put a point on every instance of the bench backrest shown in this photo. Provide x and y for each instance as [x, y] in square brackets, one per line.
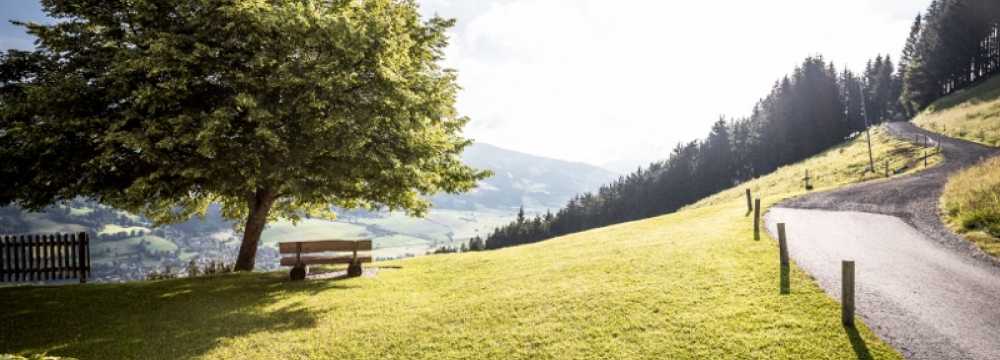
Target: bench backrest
[44, 257]
[298, 248]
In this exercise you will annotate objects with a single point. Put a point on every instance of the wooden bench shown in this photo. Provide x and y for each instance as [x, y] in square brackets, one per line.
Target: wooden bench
[300, 263]
[30, 258]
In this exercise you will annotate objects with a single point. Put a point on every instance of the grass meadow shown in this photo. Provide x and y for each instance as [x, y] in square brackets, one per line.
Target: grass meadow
[688, 285]
[970, 202]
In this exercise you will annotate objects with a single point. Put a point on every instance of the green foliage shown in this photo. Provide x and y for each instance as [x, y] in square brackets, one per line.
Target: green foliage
[954, 45]
[274, 109]
[813, 109]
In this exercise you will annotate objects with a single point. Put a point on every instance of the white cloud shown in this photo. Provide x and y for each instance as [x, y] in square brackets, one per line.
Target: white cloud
[601, 81]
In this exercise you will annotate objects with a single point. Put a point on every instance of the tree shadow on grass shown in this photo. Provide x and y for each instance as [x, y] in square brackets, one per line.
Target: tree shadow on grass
[857, 343]
[154, 320]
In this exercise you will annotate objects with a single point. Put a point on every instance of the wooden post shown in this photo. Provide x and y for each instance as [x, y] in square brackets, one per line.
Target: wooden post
[784, 286]
[47, 253]
[847, 293]
[925, 158]
[782, 245]
[32, 258]
[756, 219]
[887, 168]
[18, 268]
[74, 257]
[5, 260]
[749, 203]
[82, 252]
[62, 256]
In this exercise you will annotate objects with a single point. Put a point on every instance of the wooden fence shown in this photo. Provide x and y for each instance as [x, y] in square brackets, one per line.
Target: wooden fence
[44, 257]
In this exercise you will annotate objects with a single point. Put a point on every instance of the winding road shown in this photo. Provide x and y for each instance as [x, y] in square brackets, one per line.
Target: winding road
[920, 287]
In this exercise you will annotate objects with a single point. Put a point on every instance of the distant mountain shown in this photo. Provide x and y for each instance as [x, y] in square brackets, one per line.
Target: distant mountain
[523, 179]
[126, 246]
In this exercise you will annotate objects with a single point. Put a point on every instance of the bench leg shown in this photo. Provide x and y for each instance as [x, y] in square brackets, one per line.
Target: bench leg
[298, 272]
[354, 269]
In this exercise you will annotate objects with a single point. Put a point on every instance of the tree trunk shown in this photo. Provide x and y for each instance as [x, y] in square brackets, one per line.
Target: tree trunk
[259, 207]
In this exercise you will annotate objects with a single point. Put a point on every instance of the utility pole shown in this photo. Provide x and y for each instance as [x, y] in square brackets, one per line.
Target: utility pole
[868, 134]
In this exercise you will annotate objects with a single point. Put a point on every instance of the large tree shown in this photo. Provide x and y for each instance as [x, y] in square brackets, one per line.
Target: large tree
[274, 109]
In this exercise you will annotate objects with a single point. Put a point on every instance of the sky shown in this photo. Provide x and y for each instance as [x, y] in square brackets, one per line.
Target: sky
[619, 83]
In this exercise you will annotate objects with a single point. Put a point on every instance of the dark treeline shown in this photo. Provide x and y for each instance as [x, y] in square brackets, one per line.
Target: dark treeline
[954, 45]
[806, 112]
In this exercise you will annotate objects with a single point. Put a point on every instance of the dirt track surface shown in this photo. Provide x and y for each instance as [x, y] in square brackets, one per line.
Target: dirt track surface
[925, 290]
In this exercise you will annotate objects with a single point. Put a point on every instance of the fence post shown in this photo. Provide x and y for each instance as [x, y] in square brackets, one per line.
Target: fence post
[16, 256]
[61, 246]
[749, 204]
[783, 255]
[756, 219]
[82, 244]
[782, 245]
[847, 293]
[5, 260]
[925, 158]
[32, 259]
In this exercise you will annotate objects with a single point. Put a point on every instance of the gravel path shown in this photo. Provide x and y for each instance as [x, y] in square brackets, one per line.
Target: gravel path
[925, 290]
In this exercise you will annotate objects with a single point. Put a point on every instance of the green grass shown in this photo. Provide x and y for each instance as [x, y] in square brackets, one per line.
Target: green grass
[40, 223]
[972, 114]
[312, 229]
[82, 211]
[400, 223]
[105, 251]
[844, 164]
[689, 285]
[114, 229]
[971, 204]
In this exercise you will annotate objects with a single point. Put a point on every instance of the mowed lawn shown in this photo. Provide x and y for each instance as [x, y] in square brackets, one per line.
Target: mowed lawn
[689, 285]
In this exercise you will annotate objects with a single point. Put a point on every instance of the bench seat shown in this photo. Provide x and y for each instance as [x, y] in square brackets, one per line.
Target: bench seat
[300, 263]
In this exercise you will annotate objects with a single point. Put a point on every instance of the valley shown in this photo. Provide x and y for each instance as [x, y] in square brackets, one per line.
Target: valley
[128, 247]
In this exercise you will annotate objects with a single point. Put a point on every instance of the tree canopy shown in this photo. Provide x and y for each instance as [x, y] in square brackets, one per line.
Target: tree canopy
[953, 45]
[805, 113]
[274, 109]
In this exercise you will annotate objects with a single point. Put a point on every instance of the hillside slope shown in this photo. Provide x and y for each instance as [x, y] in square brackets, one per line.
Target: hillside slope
[688, 285]
[521, 179]
[970, 202]
[972, 114]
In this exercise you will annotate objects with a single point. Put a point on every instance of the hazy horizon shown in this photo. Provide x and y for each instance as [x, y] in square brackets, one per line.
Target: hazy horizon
[618, 84]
